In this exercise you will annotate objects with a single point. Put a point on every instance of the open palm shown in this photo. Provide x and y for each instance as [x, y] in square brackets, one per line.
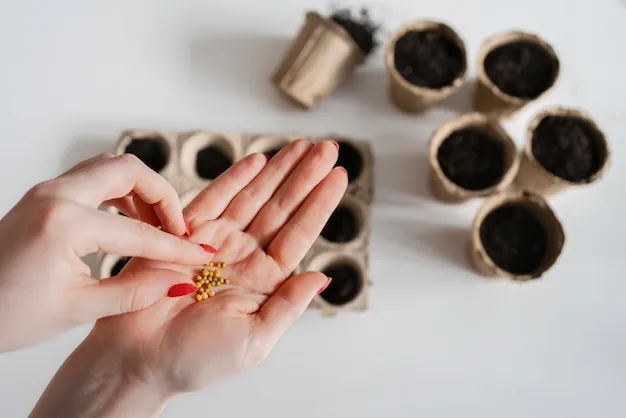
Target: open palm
[263, 217]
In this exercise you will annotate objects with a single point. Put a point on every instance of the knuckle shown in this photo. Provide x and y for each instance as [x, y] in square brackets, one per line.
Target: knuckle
[130, 160]
[54, 214]
[44, 189]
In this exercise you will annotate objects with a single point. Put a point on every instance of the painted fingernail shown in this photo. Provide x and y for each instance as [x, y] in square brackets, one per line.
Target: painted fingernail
[328, 280]
[335, 144]
[267, 157]
[208, 248]
[181, 289]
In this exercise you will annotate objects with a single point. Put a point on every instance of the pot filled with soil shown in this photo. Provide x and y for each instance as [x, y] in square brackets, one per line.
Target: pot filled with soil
[325, 52]
[471, 156]
[153, 150]
[514, 69]
[211, 161]
[347, 283]
[516, 235]
[426, 62]
[564, 148]
[350, 158]
[347, 224]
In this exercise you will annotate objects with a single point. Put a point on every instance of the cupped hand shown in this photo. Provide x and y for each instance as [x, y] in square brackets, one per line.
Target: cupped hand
[46, 288]
[263, 217]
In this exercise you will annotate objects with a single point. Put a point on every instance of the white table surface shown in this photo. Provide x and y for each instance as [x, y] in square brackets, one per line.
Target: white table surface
[439, 341]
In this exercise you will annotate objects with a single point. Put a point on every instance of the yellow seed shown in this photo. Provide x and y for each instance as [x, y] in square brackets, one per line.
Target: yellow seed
[211, 273]
[227, 281]
[205, 272]
[222, 264]
[198, 278]
[216, 273]
[205, 296]
[211, 294]
[198, 297]
[221, 280]
[207, 264]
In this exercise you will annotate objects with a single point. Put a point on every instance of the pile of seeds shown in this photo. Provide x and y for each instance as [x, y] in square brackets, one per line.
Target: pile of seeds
[208, 279]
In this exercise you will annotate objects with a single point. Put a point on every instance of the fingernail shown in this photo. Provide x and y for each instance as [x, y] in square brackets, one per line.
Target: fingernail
[181, 289]
[335, 144]
[208, 248]
[267, 157]
[328, 280]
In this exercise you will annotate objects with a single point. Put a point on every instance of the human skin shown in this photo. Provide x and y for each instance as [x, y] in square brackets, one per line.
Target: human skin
[44, 283]
[263, 217]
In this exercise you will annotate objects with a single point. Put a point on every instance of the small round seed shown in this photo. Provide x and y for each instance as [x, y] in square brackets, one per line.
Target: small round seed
[205, 296]
[216, 273]
[211, 294]
[198, 297]
[227, 281]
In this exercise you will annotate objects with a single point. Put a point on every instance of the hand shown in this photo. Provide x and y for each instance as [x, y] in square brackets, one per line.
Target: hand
[45, 287]
[264, 217]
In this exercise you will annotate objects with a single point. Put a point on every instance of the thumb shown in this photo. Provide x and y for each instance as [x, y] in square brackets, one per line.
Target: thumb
[133, 291]
[288, 304]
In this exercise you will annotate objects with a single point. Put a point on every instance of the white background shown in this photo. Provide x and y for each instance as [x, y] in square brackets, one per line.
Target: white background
[439, 341]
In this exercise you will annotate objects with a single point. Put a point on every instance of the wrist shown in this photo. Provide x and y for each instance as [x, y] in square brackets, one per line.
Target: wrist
[94, 382]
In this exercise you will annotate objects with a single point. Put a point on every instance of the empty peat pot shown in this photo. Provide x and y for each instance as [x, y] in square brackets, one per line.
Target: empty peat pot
[426, 62]
[516, 235]
[350, 158]
[153, 150]
[323, 55]
[346, 224]
[471, 156]
[514, 69]
[564, 148]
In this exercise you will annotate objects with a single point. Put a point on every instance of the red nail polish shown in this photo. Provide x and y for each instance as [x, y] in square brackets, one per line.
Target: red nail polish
[267, 157]
[208, 248]
[335, 144]
[181, 289]
[325, 285]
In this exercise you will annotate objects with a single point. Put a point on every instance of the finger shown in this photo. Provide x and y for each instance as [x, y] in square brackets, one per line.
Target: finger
[295, 239]
[123, 236]
[124, 205]
[303, 179]
[287, 305]
[251, 199]
[127, 292]
[211, 202]
[90, 161]
[125, 174]
[145, 212]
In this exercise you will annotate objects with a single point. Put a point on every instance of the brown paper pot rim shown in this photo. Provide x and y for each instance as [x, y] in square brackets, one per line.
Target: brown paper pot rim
[573, 112]
[465, 121]
[127, 137]
[196, 142]
[421, 25]
[328, 258]
[338, 29]
[505, 38]
[556, 233]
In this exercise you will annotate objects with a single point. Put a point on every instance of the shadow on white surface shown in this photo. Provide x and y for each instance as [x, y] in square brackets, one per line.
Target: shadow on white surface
[402, 178]
[242, 64]
[462, 101]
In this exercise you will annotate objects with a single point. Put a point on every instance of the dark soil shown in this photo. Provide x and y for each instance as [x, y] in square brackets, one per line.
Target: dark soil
[472, 158]
[152, 151]
[211, 161]
[342, 226]
[568, 147]
[360, 28]
[273, 151]
[521, 69]
[119, 265]
[514, 239]
[351, 159]
[345, 286]
[428, 58]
